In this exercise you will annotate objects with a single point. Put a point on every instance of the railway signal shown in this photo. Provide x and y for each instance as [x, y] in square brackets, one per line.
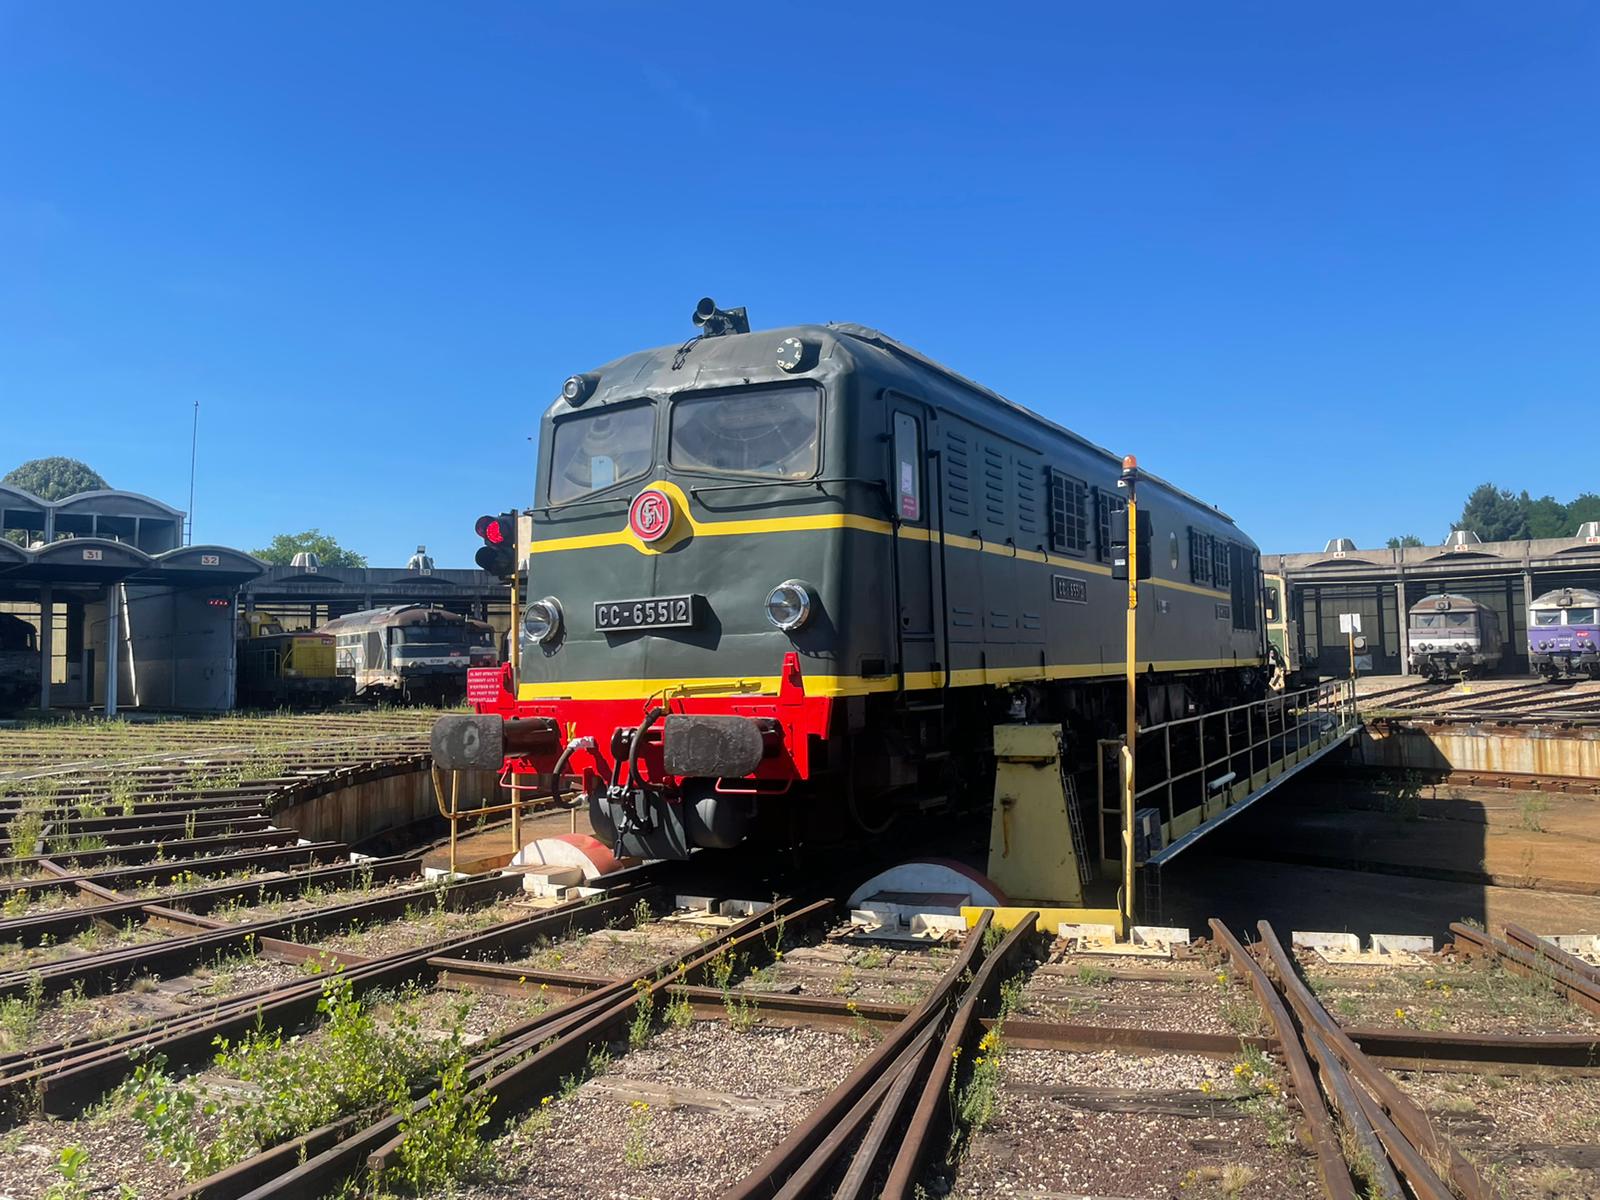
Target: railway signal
[1119, 546]
[498, 556]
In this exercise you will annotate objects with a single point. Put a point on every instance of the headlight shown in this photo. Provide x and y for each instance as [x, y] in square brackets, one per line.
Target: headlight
[541, 620]
[789, 605]
[576, 388]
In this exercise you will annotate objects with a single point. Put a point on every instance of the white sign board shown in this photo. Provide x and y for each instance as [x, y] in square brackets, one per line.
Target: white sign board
[1349, 622]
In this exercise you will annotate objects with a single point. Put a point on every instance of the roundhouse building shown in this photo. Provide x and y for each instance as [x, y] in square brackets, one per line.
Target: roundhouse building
[125, 614]
[1381, 585]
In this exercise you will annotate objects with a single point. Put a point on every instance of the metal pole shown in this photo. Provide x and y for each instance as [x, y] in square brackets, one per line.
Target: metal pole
[516, 815]
[455, 796]
[1130, 474]
[194, 450]
[1125, 774]
[516, 596]
[47, 633]
[113, 646]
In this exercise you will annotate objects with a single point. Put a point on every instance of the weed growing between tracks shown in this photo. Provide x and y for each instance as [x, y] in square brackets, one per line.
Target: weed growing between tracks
[355, 1063]
[742, 1011]
[443, 1142]
[19, 1015]
[972, 1104]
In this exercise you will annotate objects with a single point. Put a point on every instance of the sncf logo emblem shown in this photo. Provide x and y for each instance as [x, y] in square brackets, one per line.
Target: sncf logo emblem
[650, 515]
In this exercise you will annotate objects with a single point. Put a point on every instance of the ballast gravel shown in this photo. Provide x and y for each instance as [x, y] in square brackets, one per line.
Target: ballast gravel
[601, 1145]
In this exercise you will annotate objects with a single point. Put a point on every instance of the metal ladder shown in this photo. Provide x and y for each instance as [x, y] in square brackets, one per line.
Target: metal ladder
[1080, 844]
[1150, 893]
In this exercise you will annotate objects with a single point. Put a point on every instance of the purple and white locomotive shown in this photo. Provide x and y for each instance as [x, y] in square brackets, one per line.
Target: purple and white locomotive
[1563, 638]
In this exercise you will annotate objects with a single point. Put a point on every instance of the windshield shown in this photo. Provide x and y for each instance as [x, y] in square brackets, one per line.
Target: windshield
[1549, 616]
[1580, 616]
[597, 449]
[772, 432]
[426, 635]
[1441, 620]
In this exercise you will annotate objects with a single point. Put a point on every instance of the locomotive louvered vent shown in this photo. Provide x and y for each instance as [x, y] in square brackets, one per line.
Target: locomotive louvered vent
[958, 473]
[994, 485]
[1339, 546]
[1027, 503]
[1463, 537]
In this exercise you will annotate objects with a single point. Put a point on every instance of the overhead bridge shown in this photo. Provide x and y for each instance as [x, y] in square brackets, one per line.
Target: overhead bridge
[1183, 779]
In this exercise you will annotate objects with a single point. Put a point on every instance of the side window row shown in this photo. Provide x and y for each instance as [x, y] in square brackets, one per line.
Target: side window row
[1209, 560]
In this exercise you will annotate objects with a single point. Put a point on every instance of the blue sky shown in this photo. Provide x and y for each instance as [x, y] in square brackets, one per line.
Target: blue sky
[1317, 263]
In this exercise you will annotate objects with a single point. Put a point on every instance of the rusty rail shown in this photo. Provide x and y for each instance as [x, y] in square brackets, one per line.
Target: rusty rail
[563, 1036]
[65, 1079]
[931, 1119]
[1394, 1105]
[1332, 1169]
[1539, 960]
[792, 1153]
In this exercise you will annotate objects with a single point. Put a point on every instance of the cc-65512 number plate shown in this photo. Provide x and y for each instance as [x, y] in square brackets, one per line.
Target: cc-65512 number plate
[657, 612]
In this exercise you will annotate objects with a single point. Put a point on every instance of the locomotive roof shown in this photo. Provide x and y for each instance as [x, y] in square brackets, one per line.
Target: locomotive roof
[647, 371]
[395, 614]
[1582, 597]
[1457, 600]
[878, 338]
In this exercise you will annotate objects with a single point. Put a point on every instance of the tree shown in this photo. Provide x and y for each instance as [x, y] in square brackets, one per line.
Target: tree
[1405, 539]
[1494, 514]
[1547, 517]
[55, 478]
[1585, 507]
[329, 553]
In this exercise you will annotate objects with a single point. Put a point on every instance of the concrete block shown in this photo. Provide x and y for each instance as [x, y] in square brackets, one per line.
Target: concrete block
[937, 925]
[1345, 943]
[1159, 935]
[357, 857]
[581, 893]
[551, 881]
[867, 918]
[696, 903]
[1087, 933]
[441, 875]
[1585, 945]
[743, 908]
[1401, 943]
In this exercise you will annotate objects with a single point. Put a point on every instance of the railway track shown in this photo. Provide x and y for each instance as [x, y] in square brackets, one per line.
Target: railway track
[884, 1126]
[621, 1042]
[1494, 701]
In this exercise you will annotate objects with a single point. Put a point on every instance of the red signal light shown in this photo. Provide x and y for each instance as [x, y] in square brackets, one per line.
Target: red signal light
[491, 531]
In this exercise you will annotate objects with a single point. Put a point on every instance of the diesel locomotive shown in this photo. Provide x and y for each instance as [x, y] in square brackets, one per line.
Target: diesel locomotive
[787, 582]
[410, 653]
[19, 663]
[1563, 635]
[284, 668]
[1453, 635]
